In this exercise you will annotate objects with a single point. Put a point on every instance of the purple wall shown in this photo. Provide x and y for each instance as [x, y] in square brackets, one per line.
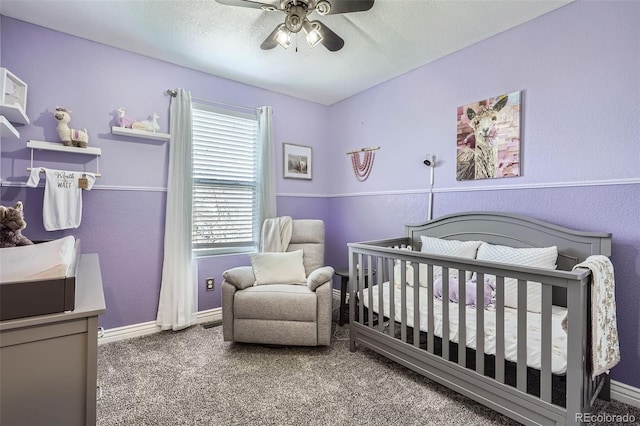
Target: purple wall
[123, 217]
[578, 67]
[579, 70]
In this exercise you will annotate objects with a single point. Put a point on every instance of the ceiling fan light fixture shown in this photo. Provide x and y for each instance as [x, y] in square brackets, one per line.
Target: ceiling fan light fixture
[323, 7]
[283, 37]
[314, 36]
[295, 18]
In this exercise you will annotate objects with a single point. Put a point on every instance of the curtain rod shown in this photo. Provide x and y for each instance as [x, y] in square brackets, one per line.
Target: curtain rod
[174, 92]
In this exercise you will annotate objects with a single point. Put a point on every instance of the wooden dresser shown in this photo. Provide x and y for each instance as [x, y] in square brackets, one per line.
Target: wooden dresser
[48, 363]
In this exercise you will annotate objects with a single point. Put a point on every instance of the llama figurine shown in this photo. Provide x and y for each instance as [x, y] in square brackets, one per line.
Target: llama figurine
[68, 136]
[123, 120]
[153, 125]
[147, 125]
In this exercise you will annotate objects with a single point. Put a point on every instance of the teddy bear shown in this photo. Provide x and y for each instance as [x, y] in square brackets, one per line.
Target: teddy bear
[11, 225]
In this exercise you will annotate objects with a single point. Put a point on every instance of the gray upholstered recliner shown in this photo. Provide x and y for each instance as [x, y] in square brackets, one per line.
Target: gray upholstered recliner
[282, 314]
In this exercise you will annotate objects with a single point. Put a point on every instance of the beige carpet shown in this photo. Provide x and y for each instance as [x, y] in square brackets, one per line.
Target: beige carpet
[192, 378]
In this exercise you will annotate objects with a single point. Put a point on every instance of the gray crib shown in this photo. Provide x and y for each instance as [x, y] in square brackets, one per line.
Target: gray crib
[391, 319]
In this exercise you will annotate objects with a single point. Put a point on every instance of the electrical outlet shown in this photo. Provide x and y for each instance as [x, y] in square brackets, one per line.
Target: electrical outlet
[209, 284]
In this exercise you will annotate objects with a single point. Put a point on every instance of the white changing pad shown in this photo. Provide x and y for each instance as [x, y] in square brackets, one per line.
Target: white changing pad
[48, 260]
[558, 340]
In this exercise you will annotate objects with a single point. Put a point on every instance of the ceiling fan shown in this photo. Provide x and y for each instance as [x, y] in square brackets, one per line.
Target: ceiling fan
[297, 12]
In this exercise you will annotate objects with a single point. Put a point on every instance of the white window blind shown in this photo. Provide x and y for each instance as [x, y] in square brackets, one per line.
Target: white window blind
[224, 180]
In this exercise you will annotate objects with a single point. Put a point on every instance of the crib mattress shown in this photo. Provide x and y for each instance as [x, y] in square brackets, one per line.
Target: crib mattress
[559, 336]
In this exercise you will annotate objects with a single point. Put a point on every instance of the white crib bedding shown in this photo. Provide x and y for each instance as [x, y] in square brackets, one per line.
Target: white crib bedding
[559, 336]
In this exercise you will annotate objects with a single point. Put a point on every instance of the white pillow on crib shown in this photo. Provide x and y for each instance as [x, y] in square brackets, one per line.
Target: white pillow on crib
[397, 275]
[440, 246]
[543, 257]
[397, 271]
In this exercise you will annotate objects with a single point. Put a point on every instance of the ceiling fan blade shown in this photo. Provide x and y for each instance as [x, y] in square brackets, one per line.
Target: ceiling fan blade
[346, 6]
[270, 42]
[330, 40]
[244, 3]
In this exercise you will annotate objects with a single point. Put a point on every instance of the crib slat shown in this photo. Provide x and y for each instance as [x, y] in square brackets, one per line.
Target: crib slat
[392, 308]
[351, 292]
[379, 279]
[480, 324]
[521, 375]
[430, 321]
[403, 301]
[462, 319]
[445, 313]
[357, 285]
[416, 305]
[369, 293]
[500, 329]
[545, 364]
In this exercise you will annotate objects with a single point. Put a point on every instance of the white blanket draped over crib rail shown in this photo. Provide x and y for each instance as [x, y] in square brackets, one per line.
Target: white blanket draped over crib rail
[534, 327]
[605, 349]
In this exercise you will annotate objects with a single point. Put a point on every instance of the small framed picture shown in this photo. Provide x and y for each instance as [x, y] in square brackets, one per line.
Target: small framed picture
[297, 161]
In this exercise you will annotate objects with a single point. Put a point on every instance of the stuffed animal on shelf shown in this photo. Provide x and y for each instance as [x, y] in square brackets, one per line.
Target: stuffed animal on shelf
[124, 121]
[147, 125]
[11, 225]
[68, 136]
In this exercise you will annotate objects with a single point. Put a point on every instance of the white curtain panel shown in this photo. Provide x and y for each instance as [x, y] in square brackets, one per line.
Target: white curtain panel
[178, 304]
[266, 169]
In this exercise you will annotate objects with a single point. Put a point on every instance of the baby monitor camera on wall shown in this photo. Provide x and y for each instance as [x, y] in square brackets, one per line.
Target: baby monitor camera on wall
[430, 160]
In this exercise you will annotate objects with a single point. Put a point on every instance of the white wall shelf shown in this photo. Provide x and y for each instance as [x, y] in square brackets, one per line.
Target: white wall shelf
[14, 113]
[13, 98]
[58, 146]
[7, 130]
[125, 131]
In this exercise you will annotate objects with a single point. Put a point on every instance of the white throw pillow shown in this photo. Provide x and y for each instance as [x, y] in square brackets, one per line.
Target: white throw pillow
[440, 246]
[544, 257]
[397, 275]
[278, 268]
[397, 270]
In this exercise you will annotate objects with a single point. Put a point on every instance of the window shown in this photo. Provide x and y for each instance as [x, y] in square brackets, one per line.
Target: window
[225, 188]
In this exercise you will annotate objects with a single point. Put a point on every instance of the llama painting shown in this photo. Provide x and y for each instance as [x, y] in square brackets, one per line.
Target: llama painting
[488, 138]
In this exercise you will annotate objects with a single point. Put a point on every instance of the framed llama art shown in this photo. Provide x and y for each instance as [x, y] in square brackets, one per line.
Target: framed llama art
[488, 138]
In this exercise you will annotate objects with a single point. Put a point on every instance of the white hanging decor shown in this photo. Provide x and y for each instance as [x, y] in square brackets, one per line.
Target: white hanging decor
[362, 166]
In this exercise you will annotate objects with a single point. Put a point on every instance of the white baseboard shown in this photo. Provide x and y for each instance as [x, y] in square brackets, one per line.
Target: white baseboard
[147, 328]
[625, 393]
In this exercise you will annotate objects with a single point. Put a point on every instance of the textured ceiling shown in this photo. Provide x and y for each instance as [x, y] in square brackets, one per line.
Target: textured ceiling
[392, 38]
